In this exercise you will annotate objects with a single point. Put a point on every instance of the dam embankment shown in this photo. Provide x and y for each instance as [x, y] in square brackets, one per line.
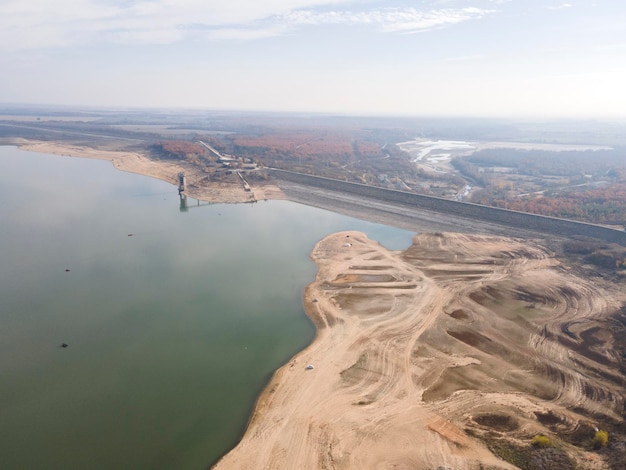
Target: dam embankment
[464, 210]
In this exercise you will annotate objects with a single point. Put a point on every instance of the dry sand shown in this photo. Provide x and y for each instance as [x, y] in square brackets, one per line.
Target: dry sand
[135, 162]
[422, 356]
[416, 350]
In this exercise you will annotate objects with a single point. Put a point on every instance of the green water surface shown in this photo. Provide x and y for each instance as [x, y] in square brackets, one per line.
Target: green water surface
[174, 320]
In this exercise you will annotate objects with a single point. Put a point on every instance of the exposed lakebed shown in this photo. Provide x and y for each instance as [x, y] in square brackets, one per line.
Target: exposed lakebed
[173, 320]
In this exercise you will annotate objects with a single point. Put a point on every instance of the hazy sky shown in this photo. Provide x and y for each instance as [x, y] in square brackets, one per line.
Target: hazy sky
[542, 58]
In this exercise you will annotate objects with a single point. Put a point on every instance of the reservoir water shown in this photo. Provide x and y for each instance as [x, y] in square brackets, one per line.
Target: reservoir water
[173, 320]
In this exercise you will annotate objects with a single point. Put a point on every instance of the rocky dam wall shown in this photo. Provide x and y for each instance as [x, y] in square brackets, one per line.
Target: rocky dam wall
[522, 220]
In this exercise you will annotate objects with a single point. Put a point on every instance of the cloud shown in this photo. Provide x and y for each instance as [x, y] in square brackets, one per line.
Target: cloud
[389, 20]
[562, 6]
[41, 24]
[246, 34]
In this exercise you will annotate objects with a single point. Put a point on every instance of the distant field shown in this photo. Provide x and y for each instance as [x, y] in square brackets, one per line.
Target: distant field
[167, 129]
[23, 118]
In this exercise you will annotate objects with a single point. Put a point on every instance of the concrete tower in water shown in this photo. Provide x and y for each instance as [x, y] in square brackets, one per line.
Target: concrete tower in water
[181, 182]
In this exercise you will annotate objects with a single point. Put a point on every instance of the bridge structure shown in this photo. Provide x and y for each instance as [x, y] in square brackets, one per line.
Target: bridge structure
[220, 157]
[211, 149]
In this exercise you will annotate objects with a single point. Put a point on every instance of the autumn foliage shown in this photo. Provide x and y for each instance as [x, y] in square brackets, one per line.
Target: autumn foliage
[589, 186]
[357, 155]
[600, 439]
[304, 144]
[606, 205]
[178, 149]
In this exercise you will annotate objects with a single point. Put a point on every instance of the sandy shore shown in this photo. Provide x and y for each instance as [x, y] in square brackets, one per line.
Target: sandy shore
[424, 356]
[164, 170]
[415, 348]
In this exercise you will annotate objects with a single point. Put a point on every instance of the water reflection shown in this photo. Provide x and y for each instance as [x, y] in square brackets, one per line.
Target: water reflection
[184, 205]
[183, 202]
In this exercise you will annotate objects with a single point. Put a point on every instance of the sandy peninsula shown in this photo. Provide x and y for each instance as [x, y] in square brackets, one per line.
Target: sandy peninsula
[446, 355]
[425, 357]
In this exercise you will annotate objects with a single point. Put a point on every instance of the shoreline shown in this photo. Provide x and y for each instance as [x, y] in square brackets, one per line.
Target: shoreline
[138, 163]
[409, 361]
[386, 359]
[308, 419]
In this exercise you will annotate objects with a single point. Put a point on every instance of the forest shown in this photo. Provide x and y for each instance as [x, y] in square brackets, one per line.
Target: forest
[178, 149]
[351, 154]
[589, 186]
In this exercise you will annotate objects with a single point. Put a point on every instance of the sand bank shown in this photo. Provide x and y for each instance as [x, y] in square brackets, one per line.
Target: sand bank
[415, 348]
[424, 356]
[139, 163]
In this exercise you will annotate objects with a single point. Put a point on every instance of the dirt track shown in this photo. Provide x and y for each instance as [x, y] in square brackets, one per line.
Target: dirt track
[420, 353]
